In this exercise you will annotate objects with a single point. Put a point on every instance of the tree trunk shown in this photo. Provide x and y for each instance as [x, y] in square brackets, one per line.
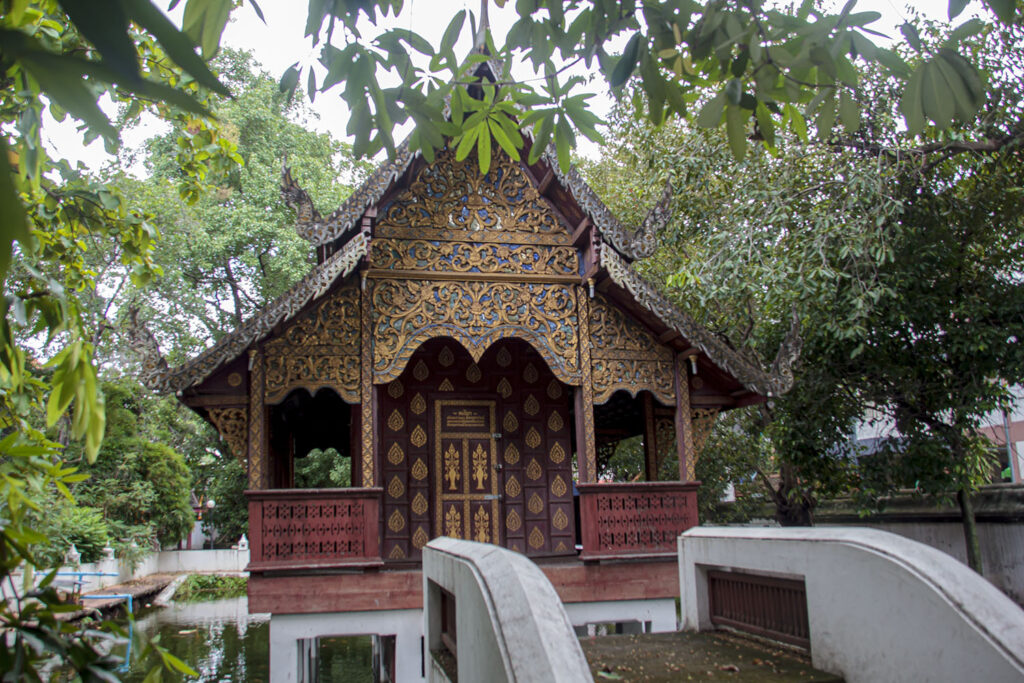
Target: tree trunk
[963, 497]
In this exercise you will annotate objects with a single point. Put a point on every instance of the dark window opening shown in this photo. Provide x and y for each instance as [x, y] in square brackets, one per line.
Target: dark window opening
[310, 441]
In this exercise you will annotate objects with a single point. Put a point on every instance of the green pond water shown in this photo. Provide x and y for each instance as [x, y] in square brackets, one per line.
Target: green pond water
[223, 642]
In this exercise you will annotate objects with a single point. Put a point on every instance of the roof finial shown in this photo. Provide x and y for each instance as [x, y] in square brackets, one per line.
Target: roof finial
[480, 41]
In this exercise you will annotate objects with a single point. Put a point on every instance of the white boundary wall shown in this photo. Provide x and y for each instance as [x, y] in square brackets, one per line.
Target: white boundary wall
[880, 607]
[510, 624]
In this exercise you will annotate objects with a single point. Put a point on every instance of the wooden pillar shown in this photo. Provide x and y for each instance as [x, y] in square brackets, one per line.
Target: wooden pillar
[367, 394]
[650, 439]
[257, 451]
[583, 397]
[684, 428]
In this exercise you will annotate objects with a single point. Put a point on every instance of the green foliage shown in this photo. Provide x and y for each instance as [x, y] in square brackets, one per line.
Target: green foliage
[200, 587]
[82, 526]
[323, 469]
[227, 482]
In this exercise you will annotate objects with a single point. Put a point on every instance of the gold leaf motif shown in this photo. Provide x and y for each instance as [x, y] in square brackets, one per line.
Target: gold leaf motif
[396, 421]
[418, 436]
[533, 470]
[511, 454]
[396, 522]
[555, 422]
[420, 538]
[530, 373]
[395, 389]
[451, 467]
[557, 453]
[561, 547]
[512, 488]
[421, 371]
[504, 358]
[397, 553]
[419, 470]
[554, 389]
[453, 523]
[532, 438]
[446, 386]
[558, 487]
[532, 407]
[535, 504]
[418, 405]
[480, 466]
[419, 504]
[473, 373]
[560, 520]
[513, 521]
[446, 357]
[511, 423]
[481, 526]
[536, 538]
[395, 454]
[396, 488]
[504, 388]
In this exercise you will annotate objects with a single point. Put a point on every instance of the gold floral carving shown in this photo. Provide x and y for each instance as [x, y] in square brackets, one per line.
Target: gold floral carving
[554, 389]
[480, 461]
[395, 389]
[477, 314]
[687, 464]
[418, 436]
[319, 348]
[446, 386]
[366, 413]
[535, 504]
[257, 452]
[396, 488]
[511, 422]
[472, 257]
[473, 373]
[504, 388]
[504, 358]
[453, 523]
[533, 470]
[536, 538]
[531, 406]
[420, 371]
[561, 547]
[557, 453]
[560, 520]
[420, 538]
[419, 470]
[395, 420]
[396, 522]
[395, 454]
[418, 405]
[532, 438]
[511, 454]
[558, 487]
[512, 521]
[555, 422]
[625, 356]
[530, 373]
[587, 447]
[419, 504]
[396, 553]
[702, 420]
[232, 424]
[481, 522]
[451, 467]
[512, 488]
[451, 200]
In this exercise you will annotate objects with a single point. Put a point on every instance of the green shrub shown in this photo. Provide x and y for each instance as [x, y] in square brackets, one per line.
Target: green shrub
[82, 526]
[199, 587]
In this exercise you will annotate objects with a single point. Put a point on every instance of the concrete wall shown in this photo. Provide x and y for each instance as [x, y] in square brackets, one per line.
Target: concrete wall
[510, 623]
[880, 607]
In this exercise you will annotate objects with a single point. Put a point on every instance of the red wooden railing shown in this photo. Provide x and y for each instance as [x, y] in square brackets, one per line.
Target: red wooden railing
[635, 519]
[314, 528]
[767, 606]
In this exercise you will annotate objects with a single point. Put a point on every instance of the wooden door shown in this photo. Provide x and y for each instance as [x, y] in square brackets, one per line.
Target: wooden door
[466, 493]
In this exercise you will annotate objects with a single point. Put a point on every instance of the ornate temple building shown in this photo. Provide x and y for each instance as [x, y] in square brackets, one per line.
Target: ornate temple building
[477, 345]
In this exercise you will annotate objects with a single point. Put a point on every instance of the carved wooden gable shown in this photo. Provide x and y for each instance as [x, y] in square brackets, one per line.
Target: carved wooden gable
[474, 257]
[626, 356]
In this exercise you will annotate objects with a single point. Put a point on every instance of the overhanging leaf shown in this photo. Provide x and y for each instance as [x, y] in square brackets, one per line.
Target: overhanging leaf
[204, 22]
[13, 220]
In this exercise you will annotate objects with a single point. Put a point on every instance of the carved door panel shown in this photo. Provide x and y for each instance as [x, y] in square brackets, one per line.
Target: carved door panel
[466, 494]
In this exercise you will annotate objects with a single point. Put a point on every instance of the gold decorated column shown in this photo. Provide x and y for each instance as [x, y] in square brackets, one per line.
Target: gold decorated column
[586, 449]
[366, 392]
[257, 455]
[684, 428]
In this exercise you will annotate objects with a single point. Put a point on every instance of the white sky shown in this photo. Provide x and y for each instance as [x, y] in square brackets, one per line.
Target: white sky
[280, 43]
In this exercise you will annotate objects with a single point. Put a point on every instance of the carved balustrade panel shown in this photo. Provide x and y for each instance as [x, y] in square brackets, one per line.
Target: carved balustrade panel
[313, 527]
[319, 348]
[408, 312]
[635, 518]
[625, 356]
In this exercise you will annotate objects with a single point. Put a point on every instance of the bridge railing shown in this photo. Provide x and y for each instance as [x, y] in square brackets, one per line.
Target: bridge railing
[314, 528]
[635, 519]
